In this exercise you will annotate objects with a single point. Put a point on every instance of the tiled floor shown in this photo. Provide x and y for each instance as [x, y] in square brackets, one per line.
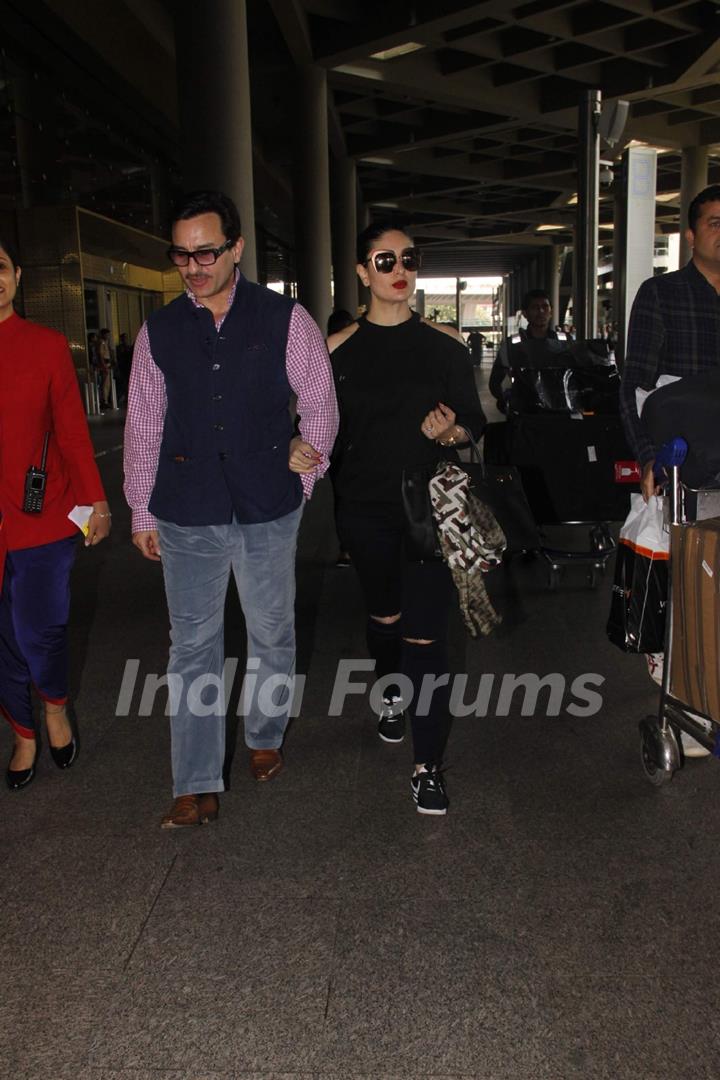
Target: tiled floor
[561, 922]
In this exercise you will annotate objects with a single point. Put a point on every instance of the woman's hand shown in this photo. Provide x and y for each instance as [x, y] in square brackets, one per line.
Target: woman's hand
[438, 423]
[303, 457]
[98, 524]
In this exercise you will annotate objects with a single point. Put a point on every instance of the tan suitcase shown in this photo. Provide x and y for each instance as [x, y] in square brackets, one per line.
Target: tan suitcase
[695, 654]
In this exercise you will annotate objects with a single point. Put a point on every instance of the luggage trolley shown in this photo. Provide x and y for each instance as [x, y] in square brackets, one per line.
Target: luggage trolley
[563, 433]
[576, 471]
[660, 750]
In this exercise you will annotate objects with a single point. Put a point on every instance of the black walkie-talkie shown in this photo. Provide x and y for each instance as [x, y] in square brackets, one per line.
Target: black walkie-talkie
[35, 481]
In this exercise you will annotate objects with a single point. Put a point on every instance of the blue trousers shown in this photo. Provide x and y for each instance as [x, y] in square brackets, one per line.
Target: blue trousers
[34, 611]
[197, 562]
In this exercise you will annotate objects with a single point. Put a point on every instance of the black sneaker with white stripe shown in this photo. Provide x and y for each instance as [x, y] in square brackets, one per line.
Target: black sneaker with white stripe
[428, 789]
[391, 725]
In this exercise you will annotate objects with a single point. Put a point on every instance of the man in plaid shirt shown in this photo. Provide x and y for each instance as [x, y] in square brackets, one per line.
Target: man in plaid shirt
[217, 481]
[674, 330]
[674, 325]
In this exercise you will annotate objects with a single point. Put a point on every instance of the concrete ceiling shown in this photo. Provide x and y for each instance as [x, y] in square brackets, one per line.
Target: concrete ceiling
[470, 139]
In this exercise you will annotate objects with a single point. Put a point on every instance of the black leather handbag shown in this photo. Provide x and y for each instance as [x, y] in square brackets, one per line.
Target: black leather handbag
[421, 537]
[497, 486]
[500, 488]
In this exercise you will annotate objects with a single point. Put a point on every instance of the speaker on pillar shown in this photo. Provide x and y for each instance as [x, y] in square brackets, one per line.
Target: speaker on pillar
[613, 118]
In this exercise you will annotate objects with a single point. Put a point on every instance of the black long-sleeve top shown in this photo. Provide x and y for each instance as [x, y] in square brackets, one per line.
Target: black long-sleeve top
[387, 379]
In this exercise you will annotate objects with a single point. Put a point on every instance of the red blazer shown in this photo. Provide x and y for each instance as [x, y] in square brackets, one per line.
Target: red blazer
[39, 392]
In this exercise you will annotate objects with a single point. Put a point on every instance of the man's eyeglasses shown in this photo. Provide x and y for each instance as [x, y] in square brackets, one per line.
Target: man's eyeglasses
[203, 256]
[384, 261]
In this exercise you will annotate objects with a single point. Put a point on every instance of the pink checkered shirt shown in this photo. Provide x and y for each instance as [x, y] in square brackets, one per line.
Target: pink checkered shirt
[309, 375]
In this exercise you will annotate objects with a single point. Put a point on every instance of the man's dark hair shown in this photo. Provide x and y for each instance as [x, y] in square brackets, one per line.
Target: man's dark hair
[338, 320]
[708, 194]
[209, 202]
[11, 251]
[534, 294]
[367, 237]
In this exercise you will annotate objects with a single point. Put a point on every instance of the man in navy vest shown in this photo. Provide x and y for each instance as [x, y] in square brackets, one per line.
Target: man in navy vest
[216, 481]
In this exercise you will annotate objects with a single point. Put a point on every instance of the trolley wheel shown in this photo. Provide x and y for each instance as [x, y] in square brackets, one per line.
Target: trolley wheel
[648, 758]
[554, 577]
[601, 538]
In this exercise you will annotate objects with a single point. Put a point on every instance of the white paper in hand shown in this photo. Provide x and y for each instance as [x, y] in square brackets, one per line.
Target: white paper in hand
[80, 516]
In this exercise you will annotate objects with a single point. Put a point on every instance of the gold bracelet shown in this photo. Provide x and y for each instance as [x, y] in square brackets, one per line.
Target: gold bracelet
[450, 442]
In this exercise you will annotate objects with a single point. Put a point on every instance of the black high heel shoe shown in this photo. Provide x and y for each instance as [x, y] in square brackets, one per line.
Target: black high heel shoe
[65, 756]
[20, 778]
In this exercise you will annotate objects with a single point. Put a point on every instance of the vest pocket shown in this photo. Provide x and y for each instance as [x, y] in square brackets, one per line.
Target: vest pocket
[263, 479]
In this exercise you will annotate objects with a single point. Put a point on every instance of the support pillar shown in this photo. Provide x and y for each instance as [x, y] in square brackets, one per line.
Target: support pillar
[693, 178]
[553, 281]
[586, 233]
[343, 175]
[523, 284]
[312, 195]
[634, 233]
[511, 300]
[216, 121]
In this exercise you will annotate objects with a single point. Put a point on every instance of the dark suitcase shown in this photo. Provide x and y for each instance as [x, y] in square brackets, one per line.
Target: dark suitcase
[567, 466]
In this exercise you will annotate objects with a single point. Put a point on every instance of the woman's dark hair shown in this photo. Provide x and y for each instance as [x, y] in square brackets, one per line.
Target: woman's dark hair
[708, 194]
[367, 237]
[11, 252]
[209, 202]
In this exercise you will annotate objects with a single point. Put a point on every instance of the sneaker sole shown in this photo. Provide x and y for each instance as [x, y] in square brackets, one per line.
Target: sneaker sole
[385, 738]
[696, 751]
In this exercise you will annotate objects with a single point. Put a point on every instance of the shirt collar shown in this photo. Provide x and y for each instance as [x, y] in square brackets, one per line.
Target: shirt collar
[697, 276]
[10, 325]
[196, 303]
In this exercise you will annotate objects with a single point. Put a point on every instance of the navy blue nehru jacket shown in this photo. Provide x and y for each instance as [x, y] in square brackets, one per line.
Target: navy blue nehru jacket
[224, 449]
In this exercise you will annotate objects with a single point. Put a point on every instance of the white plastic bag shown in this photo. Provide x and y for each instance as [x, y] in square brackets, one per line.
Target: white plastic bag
[644, 529]
[639, 596]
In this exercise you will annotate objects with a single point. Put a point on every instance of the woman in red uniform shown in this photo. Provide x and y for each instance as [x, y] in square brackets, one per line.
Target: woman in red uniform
[39, 395]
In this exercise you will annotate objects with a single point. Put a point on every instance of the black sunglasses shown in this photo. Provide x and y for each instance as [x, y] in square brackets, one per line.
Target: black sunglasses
[203, 256]
[384, 261]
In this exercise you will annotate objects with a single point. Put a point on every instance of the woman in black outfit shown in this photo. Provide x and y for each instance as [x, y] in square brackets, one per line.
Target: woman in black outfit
[405, 389]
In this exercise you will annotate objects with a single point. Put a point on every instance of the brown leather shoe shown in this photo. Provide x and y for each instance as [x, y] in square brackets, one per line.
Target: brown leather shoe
[183, 812]
[192, 810]
[208, 807]
[265, 764]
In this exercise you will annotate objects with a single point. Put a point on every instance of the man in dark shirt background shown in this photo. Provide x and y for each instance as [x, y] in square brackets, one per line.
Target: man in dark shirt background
[674, 326]
[537, 309]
